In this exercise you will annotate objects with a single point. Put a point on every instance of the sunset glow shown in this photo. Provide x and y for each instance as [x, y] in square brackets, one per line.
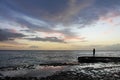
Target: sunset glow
[59, 24]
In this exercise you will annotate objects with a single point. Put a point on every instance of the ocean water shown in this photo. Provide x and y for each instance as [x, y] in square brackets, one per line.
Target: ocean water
[27, 63]
[12, 58]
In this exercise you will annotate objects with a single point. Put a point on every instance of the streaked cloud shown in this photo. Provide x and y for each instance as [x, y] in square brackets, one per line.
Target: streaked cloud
[60, 21]
[6, 34]
[33, 47]
[50, 39]
[63, 11]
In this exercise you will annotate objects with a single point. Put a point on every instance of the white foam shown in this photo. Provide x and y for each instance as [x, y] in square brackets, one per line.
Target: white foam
[14, 73]
[39, 71]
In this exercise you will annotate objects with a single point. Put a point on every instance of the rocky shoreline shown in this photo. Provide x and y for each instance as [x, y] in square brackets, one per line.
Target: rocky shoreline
[68, 76]
[73, 72]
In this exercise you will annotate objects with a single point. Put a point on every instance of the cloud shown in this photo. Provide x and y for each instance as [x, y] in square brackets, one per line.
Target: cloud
[107, 47]
[35, 25]
[34, 47]
[99, 9]
[44, 15]
[63, 11]
[3, 46]
[72, 12]
[98, 47]
[113, 47]
[6, 34]
[50, 39]
[83, 12]
[32, 26]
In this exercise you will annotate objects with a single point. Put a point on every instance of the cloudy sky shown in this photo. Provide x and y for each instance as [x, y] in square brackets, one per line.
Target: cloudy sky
[59, 24]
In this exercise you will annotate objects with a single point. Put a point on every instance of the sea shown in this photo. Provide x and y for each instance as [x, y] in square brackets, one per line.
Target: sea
[64, 64]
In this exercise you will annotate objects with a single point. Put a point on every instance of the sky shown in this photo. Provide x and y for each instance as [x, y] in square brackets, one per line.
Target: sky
[59, 24]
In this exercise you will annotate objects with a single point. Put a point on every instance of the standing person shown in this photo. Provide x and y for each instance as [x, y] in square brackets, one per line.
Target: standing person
[94, 52]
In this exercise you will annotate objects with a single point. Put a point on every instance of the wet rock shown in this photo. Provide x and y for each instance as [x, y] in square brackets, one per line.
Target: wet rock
[1, 75]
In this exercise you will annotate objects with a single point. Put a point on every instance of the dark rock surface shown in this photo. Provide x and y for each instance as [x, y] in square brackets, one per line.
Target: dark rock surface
[68, 75]
[92, 59]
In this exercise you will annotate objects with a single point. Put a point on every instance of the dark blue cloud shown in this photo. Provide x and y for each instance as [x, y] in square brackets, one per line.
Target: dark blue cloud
[61, 11]
[41, 26]
[99, 9]
[107, 3]
[51, 12]
[6, 34]
[50, 39]
[4, 10]
[37, 8]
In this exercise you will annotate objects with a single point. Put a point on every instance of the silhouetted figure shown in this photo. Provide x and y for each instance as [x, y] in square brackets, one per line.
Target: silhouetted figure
[94, 52]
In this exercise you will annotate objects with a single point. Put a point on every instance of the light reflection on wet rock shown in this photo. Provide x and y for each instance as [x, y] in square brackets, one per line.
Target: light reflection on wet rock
[97, 71]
